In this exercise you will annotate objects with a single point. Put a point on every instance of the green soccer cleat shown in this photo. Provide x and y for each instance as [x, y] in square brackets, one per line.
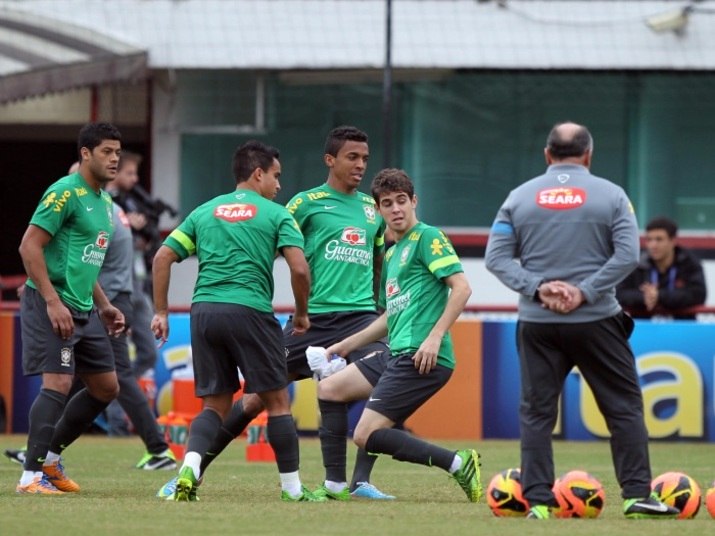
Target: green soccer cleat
[342, 495]
[468, 476]
[168, 490]
[648, 508]
[186, 485]
[305, 496]
[539, 511]
[153, 462]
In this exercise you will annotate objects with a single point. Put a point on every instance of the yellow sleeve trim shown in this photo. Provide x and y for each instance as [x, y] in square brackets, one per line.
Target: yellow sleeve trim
[441, 263]
[184, 240]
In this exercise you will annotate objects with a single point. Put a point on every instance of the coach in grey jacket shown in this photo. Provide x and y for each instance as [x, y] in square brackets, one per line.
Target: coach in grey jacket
[575, 237]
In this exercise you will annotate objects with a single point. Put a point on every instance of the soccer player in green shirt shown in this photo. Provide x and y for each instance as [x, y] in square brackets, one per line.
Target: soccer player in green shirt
[62, 335]
[235, 237]
[423, 291]
[344, 243]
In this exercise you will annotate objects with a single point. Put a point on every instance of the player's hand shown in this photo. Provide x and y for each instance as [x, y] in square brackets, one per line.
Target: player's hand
[425, 358]
[301, 324]
[160, 328]
[113, 319]
[61, 319]
[335, 349]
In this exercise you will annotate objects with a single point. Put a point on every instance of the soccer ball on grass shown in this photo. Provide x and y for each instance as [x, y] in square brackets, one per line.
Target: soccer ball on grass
[579, 494]
[504, 494]
[710, 500]
[679, 491]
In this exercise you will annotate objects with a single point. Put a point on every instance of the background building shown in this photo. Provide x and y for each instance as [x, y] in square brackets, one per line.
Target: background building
[476, 87]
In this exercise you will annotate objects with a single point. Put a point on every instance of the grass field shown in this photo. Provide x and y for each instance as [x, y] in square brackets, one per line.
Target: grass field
[243, 498]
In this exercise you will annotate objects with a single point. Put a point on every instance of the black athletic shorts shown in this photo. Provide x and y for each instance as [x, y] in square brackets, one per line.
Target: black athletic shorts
[87, 351]
[325, 330]
[402, 389]
[226, 337]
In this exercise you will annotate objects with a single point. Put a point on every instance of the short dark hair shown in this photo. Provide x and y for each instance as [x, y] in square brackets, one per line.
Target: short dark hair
[662, 222]
[391, 180]
[128, 156]
[339, 135]
[564, 147]
[93, 134]
[251, 155]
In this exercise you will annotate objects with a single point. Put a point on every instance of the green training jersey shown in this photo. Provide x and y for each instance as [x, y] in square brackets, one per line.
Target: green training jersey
[235, 237]
[412, 291]
[343, 233]
[80, 222]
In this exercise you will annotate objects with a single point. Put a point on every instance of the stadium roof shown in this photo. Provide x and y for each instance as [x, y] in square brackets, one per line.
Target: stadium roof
[350, 34]
[38, 55]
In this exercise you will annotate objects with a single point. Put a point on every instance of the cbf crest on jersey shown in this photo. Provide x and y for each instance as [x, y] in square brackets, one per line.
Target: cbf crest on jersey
[369, 212]
[403, 256]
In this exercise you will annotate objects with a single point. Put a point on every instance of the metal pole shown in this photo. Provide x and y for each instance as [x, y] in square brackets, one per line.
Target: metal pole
[387, 89]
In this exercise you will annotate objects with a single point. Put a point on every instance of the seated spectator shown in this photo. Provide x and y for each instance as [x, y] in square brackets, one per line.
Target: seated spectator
[668, 280]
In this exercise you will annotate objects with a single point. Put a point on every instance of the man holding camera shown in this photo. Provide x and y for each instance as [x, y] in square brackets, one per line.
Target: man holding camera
[143, 214]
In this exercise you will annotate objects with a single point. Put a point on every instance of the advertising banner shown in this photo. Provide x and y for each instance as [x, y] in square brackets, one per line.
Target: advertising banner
[675, 365]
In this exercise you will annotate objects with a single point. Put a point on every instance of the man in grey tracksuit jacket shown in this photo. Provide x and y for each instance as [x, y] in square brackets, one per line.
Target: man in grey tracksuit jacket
[115, 278]
[575, 237]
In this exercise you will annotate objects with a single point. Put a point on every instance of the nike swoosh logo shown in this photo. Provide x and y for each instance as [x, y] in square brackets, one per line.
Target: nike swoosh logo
[41, 460]
[90, 209]
[371, 399]
[330, 207]
[656, 508]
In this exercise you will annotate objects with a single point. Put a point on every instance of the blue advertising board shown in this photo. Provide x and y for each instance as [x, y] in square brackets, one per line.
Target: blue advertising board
[675, 365]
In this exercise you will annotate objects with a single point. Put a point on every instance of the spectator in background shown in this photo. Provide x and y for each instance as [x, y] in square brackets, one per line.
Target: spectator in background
[116, 279]
[668, 279]
[145, 231]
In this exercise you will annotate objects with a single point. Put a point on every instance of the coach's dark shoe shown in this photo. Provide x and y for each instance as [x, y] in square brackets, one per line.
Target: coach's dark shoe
[648, 508]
